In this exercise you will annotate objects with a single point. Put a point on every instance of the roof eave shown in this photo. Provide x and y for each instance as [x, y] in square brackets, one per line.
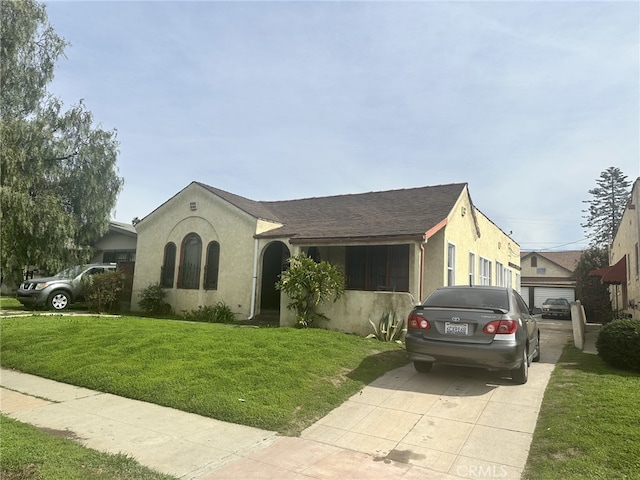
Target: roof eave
[351, 240]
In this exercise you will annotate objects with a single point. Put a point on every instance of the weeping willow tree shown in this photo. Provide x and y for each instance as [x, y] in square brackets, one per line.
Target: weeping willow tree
[59, 176]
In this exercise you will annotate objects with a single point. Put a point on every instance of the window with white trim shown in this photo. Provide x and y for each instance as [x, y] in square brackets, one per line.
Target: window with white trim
[484, 271]
[451, 264]
[472, 268]
[499, 274]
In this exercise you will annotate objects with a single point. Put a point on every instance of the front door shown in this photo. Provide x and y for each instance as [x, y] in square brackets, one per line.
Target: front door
[274, 262]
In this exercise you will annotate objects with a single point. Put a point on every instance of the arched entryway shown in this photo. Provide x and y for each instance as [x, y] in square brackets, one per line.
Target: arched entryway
[274, 262]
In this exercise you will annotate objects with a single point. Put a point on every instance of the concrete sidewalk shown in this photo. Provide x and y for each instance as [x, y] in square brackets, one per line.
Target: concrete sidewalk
[452, 423]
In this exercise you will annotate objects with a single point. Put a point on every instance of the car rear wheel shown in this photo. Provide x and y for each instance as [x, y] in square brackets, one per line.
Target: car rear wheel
[521, 374]
[59, 300]
[423, 367]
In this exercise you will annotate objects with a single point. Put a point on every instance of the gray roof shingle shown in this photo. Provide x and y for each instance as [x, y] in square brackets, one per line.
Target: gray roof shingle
[567, 259]
[392, 213]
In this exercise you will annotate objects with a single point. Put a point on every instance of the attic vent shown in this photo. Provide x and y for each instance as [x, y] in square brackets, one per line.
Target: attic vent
[193, 206]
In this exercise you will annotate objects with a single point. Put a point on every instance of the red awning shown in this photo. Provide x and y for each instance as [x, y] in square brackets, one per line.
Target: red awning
[613, 275]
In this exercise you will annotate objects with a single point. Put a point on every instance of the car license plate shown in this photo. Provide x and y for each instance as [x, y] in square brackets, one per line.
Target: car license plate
[456, 328]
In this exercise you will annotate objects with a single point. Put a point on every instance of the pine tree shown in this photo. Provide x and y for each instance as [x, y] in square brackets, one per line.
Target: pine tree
[606, 207]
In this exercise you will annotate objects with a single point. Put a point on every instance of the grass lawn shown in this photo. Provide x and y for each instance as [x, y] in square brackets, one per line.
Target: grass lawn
[10, 303]
[589, 423]
[29, 453]
[281, 379]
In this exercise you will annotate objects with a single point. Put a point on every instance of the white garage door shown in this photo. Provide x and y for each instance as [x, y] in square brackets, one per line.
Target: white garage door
[540, 294]
[524, 293]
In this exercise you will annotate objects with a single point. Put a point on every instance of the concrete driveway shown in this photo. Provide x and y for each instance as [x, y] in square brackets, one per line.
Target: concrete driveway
[451, 423]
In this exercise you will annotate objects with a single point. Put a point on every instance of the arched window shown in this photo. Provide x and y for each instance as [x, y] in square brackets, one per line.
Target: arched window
[189, 272]
[167, 273]
[212, 266]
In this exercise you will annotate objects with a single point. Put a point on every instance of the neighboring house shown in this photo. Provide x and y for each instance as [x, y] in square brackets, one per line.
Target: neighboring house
[623, 274]
[205, 245]
[117, 245]
[548, 275]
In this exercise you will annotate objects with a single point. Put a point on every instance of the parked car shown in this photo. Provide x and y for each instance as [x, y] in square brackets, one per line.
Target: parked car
[477, 326]
[61, 290]
[556, 307]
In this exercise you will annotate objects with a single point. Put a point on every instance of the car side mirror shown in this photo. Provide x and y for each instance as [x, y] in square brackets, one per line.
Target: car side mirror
[535, 311]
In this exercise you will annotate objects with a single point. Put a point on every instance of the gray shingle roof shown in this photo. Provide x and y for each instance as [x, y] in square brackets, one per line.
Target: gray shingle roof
[567, 259]
[392, 213]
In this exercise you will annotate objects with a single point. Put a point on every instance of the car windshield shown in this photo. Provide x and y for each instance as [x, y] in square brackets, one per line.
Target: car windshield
[556, 301]
[468, 298]
[69, 273]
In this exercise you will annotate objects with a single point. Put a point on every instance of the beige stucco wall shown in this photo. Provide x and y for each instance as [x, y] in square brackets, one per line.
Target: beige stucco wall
[352, 312]
[486, 240]
[214, 220]
[626, 243]
[551, 269]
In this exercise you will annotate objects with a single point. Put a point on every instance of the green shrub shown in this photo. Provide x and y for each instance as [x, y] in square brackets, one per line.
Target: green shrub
[309, 284]
[152, 299]
[619, 344]
[389, 328]
[218, 313]
[103, 291]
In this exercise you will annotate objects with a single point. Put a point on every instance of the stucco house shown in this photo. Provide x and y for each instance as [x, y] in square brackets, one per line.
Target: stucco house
[206, 245]
[548, 275]
[623, 274]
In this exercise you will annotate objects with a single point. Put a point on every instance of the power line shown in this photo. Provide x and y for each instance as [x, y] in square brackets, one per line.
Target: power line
[557, 246]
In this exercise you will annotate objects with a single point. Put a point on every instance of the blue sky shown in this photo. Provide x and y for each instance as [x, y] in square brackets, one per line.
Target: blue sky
[527, 102]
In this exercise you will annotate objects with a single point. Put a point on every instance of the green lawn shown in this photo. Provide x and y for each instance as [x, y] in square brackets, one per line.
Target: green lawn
[281, 379]
[589, 423]
[10, 303]
[284, 379]
[29, 453]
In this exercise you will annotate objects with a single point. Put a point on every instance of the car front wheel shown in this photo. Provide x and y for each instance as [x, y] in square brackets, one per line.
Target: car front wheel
[521, 374]
[59, 300]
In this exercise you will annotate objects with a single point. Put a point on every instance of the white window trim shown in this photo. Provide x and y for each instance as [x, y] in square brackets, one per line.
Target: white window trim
[499, 274]
[472, 268]
[485, 267]
[451, 264]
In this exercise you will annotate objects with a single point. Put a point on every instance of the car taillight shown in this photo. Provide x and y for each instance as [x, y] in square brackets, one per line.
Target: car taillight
[416, 321]
[499, 327]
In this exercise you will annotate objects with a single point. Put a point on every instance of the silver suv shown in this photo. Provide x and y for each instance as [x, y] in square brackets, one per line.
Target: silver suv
[61, 290]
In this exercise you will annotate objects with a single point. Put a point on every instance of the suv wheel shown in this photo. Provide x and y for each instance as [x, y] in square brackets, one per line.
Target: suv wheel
[59, 300]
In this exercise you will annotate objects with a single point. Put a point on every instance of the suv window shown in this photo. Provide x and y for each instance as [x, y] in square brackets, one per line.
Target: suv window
[95, 271]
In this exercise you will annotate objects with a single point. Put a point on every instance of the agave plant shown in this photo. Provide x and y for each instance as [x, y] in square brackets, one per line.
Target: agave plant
[389, 328]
